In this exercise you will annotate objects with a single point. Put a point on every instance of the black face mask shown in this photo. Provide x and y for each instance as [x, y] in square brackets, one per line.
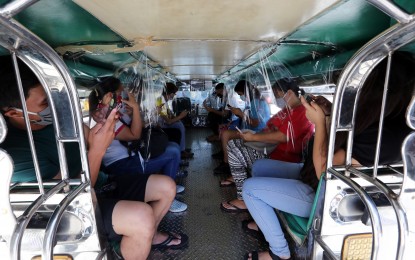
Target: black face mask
[219, 95]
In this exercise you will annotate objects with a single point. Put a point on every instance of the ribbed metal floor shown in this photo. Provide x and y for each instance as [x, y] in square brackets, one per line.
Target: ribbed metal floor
[213, 234]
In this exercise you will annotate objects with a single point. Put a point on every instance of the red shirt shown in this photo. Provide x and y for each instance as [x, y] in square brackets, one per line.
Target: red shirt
[295, 125]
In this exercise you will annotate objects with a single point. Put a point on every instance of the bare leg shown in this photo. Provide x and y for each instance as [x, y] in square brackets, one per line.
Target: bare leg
[134, 220]
[160, 192]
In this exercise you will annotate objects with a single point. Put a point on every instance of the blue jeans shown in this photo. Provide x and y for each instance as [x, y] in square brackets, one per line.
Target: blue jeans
[167, 163]
[276, 169]
[179, 125]
[262, 195]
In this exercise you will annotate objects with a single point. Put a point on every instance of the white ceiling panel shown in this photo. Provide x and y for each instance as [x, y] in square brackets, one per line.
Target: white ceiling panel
[193, 38]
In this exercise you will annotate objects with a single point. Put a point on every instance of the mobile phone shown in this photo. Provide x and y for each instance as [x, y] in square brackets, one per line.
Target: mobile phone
[308, 98]
[113, 103]
[239, 130]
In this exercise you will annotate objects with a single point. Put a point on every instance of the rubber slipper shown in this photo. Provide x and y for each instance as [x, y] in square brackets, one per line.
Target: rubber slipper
[228, 184]
[235, 209]
[250, 231]
[184, 239]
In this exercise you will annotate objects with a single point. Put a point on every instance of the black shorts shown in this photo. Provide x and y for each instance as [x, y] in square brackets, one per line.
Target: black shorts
[127, 187]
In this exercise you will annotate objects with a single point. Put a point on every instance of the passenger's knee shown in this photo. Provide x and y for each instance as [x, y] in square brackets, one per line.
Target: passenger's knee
[167, 186]
[247, 186]
[133, 218]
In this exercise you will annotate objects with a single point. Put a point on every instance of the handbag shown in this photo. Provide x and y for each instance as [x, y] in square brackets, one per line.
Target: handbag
[265, 148]
[153, 143]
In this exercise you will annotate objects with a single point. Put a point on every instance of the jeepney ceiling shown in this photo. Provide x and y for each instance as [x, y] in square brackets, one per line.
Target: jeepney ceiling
[202, 39]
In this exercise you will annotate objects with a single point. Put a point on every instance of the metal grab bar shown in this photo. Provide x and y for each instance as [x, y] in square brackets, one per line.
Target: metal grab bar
[399, 212]
[8, 218]
[24, 219]
[406, 196]
[51, 228]
[371, 207]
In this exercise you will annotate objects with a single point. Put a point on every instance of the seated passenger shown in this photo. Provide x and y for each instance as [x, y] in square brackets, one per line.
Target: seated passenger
[169, 120]
[137, 205]
[254, 117]
[289, 128]
[117, 159]
[217, 114]
[264, 194]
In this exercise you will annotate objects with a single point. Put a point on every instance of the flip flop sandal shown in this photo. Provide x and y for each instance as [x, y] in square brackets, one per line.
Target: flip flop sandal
[184, 239]
[235, 210]
[229, 184]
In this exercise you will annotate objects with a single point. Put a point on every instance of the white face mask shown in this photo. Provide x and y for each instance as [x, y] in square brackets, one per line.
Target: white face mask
[45, 116]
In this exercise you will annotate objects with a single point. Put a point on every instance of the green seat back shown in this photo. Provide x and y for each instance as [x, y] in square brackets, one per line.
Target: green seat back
[297, 226]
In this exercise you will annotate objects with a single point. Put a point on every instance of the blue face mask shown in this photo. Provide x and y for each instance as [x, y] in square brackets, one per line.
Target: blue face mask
[45, 116]
[243, 98]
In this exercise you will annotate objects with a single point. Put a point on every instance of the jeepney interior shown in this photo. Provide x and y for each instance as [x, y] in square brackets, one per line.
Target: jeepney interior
[327, 47]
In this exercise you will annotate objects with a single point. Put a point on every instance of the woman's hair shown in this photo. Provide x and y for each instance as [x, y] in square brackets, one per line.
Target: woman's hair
[104, 86]
[170, 88]
[285, 84]
[399, 94]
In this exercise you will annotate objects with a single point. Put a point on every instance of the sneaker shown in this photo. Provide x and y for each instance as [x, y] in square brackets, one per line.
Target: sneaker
[177, 206]
[181, 173]
[179, 189]
[218, 155]
[223, 168]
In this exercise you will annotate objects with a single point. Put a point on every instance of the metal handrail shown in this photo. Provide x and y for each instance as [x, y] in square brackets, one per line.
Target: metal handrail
[51, 228]
[377, 229]
[25, 218]
[54, 76]
[406, 195]
[330, 254]
[15, 7]
[351, 81]
[399, 212]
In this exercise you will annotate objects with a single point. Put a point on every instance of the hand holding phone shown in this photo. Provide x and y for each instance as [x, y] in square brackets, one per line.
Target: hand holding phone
[309, 98]
[239, 130]
[113, 103]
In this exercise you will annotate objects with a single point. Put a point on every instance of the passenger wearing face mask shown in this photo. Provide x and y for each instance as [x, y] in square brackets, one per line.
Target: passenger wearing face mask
[215, 105]
[169, 120]
[289, 129]
[254, 117]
